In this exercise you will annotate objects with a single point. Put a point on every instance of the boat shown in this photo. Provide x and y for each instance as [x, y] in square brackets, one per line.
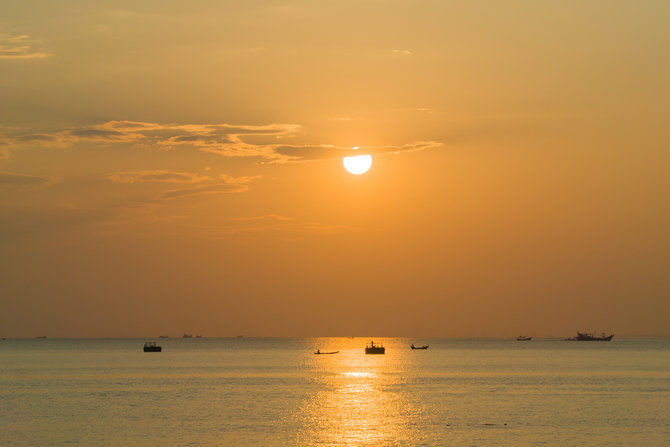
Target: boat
[418, 347]
[187, 336]
[151, 346]
[41, 336]
[373, 348]
[523, 338]
[163, 336]
[198, 336]
[587, 336]
[331, 352]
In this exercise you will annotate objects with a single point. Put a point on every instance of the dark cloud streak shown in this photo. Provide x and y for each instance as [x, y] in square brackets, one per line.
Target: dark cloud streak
[10, 179]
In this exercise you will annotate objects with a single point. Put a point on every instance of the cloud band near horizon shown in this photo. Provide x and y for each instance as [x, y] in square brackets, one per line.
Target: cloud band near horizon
[228, 140]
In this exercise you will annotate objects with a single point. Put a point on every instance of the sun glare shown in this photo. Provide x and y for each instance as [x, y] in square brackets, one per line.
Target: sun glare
[357, 164]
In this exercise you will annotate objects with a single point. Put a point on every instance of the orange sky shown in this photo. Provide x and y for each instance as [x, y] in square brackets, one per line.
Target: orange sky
[169, 167]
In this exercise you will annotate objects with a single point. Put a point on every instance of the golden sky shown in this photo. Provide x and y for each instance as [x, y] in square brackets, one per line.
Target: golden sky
[170, 167]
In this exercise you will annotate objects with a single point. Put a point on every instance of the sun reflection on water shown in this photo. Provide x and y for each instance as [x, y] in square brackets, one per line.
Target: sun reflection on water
[358, 403]
[358, 374]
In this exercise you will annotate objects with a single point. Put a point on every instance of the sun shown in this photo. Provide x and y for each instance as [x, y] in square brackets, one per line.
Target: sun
[357, 164]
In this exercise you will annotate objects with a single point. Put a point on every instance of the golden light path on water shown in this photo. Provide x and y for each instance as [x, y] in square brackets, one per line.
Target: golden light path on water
[361, 401]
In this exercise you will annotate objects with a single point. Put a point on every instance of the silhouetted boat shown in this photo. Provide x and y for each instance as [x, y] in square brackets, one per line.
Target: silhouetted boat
[41, 336]
[187, 336]
[373, 348]
[586, 336]
[151, 346]
[523, 338]
[418, 347]
[331, 352]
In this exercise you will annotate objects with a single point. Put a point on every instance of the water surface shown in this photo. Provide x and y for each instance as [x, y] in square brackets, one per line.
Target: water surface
[272, 391]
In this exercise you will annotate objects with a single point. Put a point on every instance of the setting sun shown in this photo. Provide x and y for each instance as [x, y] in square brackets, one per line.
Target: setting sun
[357, 164]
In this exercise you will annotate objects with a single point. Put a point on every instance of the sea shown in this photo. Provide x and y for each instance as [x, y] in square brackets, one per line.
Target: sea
[276, 392]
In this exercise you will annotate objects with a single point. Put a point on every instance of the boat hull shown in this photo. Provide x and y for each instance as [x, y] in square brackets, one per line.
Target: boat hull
[375, 350]
[152, 349]
[608, 338]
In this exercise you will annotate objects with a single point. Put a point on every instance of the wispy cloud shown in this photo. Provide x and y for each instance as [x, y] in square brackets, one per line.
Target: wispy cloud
[309, 153]
[272, 224]
[229, 140]
[150, 219]
[19, 46]
[4, 149]
[198, 184]
[13, 180]
[151, 176]
[266, 217]
[20, 223]
[225, 184]
[401, 52]
[219, 188]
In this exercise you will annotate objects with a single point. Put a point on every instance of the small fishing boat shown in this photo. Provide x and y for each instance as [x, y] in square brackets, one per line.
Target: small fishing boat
[523, 338]
[331, 352]
[151, 346]
[587, 336]
[373, 348]
[418, 347]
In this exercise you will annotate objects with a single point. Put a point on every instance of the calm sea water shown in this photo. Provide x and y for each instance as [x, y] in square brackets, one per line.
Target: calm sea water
[262, 391]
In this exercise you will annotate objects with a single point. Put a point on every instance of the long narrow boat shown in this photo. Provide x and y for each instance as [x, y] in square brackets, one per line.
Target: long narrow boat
[523, 338]
[331, 352]
[418, 347]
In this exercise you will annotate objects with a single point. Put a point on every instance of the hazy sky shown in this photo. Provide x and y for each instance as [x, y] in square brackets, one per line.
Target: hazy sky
[171, 166]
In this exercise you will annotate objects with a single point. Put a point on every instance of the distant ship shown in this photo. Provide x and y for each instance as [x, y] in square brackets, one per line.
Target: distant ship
[151, 346]
[164, 336]
[187, 336]
[586, 336]
[41, 336]
[523, 338]
[418, 347]
[331, 352]
[373, 348]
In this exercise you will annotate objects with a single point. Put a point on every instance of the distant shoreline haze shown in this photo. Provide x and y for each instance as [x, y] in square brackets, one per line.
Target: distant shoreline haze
[362, 337]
